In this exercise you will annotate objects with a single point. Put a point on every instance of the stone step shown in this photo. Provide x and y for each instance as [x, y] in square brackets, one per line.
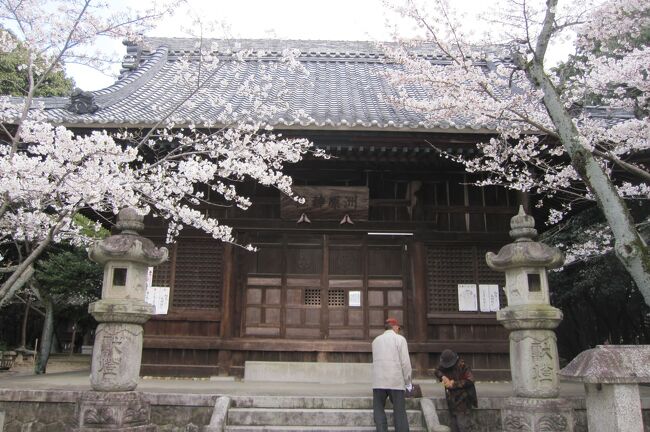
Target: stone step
[312, 429]
[308, 372]
[311, 417]
[312, 402]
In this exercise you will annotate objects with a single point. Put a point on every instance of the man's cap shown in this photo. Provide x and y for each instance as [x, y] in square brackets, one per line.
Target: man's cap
[392, 321]
[448, 358]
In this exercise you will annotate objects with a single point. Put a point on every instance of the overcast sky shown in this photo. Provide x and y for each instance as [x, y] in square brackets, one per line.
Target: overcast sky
[282, 19]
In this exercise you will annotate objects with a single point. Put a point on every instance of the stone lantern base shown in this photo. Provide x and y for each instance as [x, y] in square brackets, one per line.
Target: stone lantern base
[537, 415]
[114, 412]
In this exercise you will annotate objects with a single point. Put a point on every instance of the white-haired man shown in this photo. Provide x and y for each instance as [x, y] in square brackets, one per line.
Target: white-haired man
[391, 376]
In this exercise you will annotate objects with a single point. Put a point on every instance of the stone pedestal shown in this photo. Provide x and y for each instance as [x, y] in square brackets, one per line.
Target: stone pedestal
[533, 349]
[117, 352]
[114, 411]
[613, 407]
[536, 415]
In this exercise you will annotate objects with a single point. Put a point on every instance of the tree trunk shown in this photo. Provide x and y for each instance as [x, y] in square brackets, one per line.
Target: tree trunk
[630, 248]
[23, 329]
[46, 335]
[74, 336]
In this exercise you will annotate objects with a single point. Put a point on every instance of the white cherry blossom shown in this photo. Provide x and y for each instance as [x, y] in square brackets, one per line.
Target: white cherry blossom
[548, 137]
[48, 173]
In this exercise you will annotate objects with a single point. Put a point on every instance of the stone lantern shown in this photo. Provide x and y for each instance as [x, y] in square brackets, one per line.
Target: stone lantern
[117, 352]
[611, 375]
[531, 320]
[121, 312]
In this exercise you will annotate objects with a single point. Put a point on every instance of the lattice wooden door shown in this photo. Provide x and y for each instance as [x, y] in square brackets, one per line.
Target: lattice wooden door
[324, 287]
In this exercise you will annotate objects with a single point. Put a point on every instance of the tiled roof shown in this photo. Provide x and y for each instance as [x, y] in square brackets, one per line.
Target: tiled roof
[345, 87]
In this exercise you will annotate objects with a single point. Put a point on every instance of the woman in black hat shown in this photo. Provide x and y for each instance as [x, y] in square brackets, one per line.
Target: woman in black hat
[460, 392]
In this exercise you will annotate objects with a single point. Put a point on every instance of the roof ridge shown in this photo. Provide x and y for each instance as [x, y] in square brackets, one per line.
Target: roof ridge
[134, 80]
[316, 50]
[321, 48]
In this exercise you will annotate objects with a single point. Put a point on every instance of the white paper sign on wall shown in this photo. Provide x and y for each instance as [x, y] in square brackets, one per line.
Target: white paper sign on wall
[354, 298]
[467, 298]
[489, 297]
[159, 298]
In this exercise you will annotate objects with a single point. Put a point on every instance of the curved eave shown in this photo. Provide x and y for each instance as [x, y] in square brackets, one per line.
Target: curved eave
[525, 254]
[310, 127]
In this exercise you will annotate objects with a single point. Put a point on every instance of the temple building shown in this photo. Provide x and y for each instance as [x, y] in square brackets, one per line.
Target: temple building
[389, 228]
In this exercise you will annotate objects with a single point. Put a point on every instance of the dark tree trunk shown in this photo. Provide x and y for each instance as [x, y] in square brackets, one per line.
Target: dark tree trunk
[23, 329]
[74, 336]
[46, 336]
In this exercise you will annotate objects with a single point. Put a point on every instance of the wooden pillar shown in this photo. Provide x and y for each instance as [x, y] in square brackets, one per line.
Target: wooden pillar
[228, 295]
[418, 276]
[224, 358]
[421, 364]
[227, 308]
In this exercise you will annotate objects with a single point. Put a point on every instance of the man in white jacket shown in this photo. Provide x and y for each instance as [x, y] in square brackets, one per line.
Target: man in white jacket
[391, 376]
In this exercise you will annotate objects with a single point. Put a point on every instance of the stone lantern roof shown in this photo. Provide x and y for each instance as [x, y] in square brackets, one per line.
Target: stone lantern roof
[610, 364]
[524, 251]
[128, 245]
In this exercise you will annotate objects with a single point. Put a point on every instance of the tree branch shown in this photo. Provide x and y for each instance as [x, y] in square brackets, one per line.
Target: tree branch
[632, 169]
[7, 286]
[31, 306]
[545, 34]
[19, 282]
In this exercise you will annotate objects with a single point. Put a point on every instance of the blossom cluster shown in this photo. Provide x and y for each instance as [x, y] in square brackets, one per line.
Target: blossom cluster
[49, 174]
[489, 88]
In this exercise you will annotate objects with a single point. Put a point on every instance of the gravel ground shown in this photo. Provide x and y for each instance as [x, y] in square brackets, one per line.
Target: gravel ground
[56, 363]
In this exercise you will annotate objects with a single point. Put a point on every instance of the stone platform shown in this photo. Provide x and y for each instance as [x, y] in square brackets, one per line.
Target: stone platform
[49, 402]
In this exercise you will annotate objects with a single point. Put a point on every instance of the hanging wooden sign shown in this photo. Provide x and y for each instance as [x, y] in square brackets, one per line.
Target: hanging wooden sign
[327, 203]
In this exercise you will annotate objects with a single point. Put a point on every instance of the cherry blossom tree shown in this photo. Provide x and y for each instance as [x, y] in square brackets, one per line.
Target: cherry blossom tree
[547, 139]
[48, 174]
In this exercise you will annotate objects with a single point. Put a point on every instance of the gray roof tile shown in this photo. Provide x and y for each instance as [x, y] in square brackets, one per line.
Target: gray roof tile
[345, 87]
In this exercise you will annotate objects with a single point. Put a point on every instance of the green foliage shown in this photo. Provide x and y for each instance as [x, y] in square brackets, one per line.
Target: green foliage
[599, 300]
[14, 79]
[600, 303]
[70, 277]
[87, 227]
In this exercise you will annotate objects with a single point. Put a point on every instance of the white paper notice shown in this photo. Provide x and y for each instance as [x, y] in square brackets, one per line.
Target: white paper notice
[354, 298]
[467, 299]
[159, 298]
[489, 295]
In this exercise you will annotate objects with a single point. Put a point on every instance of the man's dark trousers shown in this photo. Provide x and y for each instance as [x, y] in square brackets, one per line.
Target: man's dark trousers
[398, 400]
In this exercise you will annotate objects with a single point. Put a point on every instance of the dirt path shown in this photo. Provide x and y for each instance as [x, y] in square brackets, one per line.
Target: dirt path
[56, 363]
